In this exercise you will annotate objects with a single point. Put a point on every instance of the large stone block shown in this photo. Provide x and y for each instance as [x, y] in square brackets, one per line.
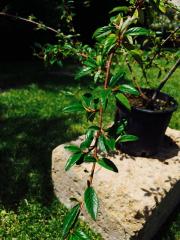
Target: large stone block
[134, 202]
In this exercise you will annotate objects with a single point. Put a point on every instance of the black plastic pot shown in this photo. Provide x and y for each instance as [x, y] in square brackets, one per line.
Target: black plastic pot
[148, 125]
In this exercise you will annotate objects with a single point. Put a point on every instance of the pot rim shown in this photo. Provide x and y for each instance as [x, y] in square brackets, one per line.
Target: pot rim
[171, 109]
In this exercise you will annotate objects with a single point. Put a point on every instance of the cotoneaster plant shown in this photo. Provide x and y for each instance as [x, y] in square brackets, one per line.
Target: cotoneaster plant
[116, 43]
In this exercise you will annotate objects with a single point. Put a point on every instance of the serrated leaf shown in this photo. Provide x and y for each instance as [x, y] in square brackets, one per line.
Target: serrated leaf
[89, 158]
[128, 138]
[119, 75]
[138, 31]
[72, 160]
[108, 164]
[109, 43]
[70, 220]
[83, 72]
[73, 148]
[124, 88]
[77, 107]
[91, 202]
[102, 32]
[123, 100]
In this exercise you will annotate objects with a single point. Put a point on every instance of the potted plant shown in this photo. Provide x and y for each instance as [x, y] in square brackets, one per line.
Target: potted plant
[117, 43]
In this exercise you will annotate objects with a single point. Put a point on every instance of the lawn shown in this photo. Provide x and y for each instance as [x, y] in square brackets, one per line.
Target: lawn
[31, 126]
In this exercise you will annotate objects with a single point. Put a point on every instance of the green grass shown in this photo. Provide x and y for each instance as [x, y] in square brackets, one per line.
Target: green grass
[31, 126]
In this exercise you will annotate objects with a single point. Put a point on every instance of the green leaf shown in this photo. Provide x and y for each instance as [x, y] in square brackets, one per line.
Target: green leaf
[102, 143]
[73, 237]
[73, 148]
[138, 31]
[77, 107]
[102, 32]
[99, 60]
[120, 9]
[88, 140]
[90, 116]
[128, 138]
[95, 128]
[91, 202]
[104, 97]
[160, 5]
[89, 159]
[109, 43]
[123, 100]
[96, 102]
[86, 100]
[81, 235]
[121, 127]
[124, 88]
[83, 72]
[108, 164]
[96, 76]
[110, 143]
[137, 55]
[72, 160]
[116, 77]
[70, 220]
[127, 23]
[136, 14]
[130, 42]
[90, 62]
[117, 20]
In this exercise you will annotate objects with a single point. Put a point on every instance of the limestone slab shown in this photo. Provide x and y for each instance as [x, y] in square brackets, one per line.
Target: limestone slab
[134, 202]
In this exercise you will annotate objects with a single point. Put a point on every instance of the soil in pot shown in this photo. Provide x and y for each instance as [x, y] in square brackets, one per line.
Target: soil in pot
[147, 121]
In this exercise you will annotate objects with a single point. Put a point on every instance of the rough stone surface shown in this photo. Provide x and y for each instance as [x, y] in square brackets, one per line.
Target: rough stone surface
[134, 202]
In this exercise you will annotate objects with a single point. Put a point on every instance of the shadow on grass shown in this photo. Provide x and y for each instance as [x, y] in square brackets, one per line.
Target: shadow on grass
[20, 74]
[26, 145]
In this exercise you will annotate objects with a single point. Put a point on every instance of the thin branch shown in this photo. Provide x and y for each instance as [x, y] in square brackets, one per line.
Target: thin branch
[29, 21]
[161, 85]
[135, 81]
[95, 154]
[161, 45]
[89, 182]
[108, 67]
